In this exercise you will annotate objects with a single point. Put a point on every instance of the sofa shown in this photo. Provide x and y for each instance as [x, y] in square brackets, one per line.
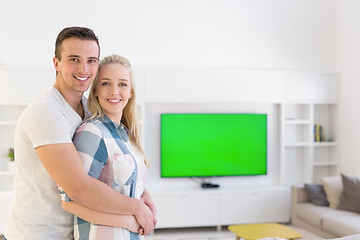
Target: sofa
[330, 215]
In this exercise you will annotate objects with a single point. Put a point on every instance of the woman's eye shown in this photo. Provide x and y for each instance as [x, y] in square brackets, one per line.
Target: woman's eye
[105, 84]
[123, 84]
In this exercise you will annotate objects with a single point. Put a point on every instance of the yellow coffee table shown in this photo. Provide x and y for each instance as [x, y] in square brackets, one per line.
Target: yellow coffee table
[263, 230]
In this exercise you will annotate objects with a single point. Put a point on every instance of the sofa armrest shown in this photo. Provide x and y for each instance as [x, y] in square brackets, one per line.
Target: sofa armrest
[298, 194]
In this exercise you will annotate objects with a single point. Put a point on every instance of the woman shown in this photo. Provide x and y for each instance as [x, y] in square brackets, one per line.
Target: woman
[109, 146]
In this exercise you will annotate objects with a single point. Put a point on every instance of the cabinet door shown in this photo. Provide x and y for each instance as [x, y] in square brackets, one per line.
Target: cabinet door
[179, 87]
[250, 87]
[5, 200]
[255, 207]
[22, 85]
[311, 87]
[186, 210]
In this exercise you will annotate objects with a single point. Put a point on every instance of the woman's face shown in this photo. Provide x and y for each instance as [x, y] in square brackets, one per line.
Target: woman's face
[113, 90]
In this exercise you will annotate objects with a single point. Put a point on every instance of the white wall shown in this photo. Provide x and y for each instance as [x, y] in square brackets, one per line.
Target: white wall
[247, 34]
[241, 34]
[349, 62]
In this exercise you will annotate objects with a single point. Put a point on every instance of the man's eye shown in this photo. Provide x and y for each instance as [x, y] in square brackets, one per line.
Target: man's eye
[92, 61]
[73, 60]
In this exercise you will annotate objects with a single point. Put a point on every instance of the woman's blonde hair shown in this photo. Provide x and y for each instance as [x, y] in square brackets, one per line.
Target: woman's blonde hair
[129, 116]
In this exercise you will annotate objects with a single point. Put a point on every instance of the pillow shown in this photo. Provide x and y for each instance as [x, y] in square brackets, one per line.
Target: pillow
[350, 198]
[316, 194]
[333, 188]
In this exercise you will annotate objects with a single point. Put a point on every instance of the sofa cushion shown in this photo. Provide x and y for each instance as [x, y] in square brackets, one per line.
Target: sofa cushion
[342, 224]
[333, 188]
[351, 237]
[350, 198]
[316, 194]
[314, 214]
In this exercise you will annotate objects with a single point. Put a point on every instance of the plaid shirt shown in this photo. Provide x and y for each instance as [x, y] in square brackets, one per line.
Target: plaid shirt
[108, 155]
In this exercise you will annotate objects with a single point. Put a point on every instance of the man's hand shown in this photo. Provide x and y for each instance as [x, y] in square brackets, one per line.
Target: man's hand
[145, 218]
[146, 198]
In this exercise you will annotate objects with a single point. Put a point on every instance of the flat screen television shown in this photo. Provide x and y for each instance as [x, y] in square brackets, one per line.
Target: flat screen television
[208, 145]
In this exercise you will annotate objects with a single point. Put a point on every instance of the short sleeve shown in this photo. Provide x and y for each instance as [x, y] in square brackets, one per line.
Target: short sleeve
[44, 126]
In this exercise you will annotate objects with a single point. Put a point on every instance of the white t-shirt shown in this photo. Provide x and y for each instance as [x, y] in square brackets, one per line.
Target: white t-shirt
[36, 211]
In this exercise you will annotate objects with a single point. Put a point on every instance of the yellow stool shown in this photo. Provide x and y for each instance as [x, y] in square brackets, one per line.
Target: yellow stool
[263, 230]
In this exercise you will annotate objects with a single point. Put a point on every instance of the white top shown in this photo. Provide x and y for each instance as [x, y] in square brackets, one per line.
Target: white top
[36, 211]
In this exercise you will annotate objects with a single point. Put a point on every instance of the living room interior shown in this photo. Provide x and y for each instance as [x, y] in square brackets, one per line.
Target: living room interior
[294, 61]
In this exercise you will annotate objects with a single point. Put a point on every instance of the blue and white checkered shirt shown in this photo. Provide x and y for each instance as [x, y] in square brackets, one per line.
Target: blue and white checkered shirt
[108, 155]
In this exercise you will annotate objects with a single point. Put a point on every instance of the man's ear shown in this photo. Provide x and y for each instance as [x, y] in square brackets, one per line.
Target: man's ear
[56, 63]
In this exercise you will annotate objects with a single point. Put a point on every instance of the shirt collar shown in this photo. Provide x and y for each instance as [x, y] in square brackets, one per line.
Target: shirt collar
[115, 126]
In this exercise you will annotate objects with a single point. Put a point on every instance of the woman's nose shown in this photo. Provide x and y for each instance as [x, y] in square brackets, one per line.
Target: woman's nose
[114, 90]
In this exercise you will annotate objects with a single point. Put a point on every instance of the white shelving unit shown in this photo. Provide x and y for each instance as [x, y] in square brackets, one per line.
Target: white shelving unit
[304, 159]
[9, 113]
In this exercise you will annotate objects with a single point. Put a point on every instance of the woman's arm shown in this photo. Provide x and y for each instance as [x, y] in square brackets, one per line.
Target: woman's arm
[115, 220]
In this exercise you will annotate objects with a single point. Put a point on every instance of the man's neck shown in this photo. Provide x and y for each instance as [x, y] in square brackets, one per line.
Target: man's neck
[72, 97]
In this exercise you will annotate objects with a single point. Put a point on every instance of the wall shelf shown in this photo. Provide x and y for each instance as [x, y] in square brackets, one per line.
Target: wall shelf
[317, 159]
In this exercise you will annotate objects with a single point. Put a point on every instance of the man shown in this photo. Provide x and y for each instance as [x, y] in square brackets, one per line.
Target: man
[46, 156]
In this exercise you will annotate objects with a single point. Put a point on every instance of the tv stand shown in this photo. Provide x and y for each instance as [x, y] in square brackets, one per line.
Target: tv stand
[227, 205]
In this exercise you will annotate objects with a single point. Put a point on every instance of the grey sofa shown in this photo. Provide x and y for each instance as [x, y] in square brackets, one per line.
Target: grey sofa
[322, 220]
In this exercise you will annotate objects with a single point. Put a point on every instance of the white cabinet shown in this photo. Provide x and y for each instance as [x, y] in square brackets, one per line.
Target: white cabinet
[271, 205]
[187, 208]
[5, 200]
[9, 113]
[219, 207]
[250, 87]
[309, 143]
[180, 86]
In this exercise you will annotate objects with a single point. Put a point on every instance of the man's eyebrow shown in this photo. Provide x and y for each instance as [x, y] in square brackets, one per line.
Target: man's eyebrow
[77, 56]
[73, 56]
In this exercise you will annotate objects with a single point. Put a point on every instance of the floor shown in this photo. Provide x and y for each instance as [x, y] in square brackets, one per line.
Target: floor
[209, 234]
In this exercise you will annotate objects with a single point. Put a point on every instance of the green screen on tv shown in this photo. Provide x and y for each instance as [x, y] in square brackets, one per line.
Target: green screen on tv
[206, 145]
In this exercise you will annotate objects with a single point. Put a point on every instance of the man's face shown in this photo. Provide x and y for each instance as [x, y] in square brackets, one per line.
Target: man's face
[79, 63]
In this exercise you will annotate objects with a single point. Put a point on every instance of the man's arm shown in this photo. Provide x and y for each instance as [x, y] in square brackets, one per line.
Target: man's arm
[146, 198]
[115, 220]
[64, 165]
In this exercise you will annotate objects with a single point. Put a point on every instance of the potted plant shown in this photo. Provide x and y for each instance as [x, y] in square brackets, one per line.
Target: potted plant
[11, 157]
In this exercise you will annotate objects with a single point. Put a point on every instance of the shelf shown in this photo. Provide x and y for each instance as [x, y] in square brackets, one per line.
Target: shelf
[297, 121]
[7, 123]
[325, 164]
[299, 144]
[325, 144]
[6, 173]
